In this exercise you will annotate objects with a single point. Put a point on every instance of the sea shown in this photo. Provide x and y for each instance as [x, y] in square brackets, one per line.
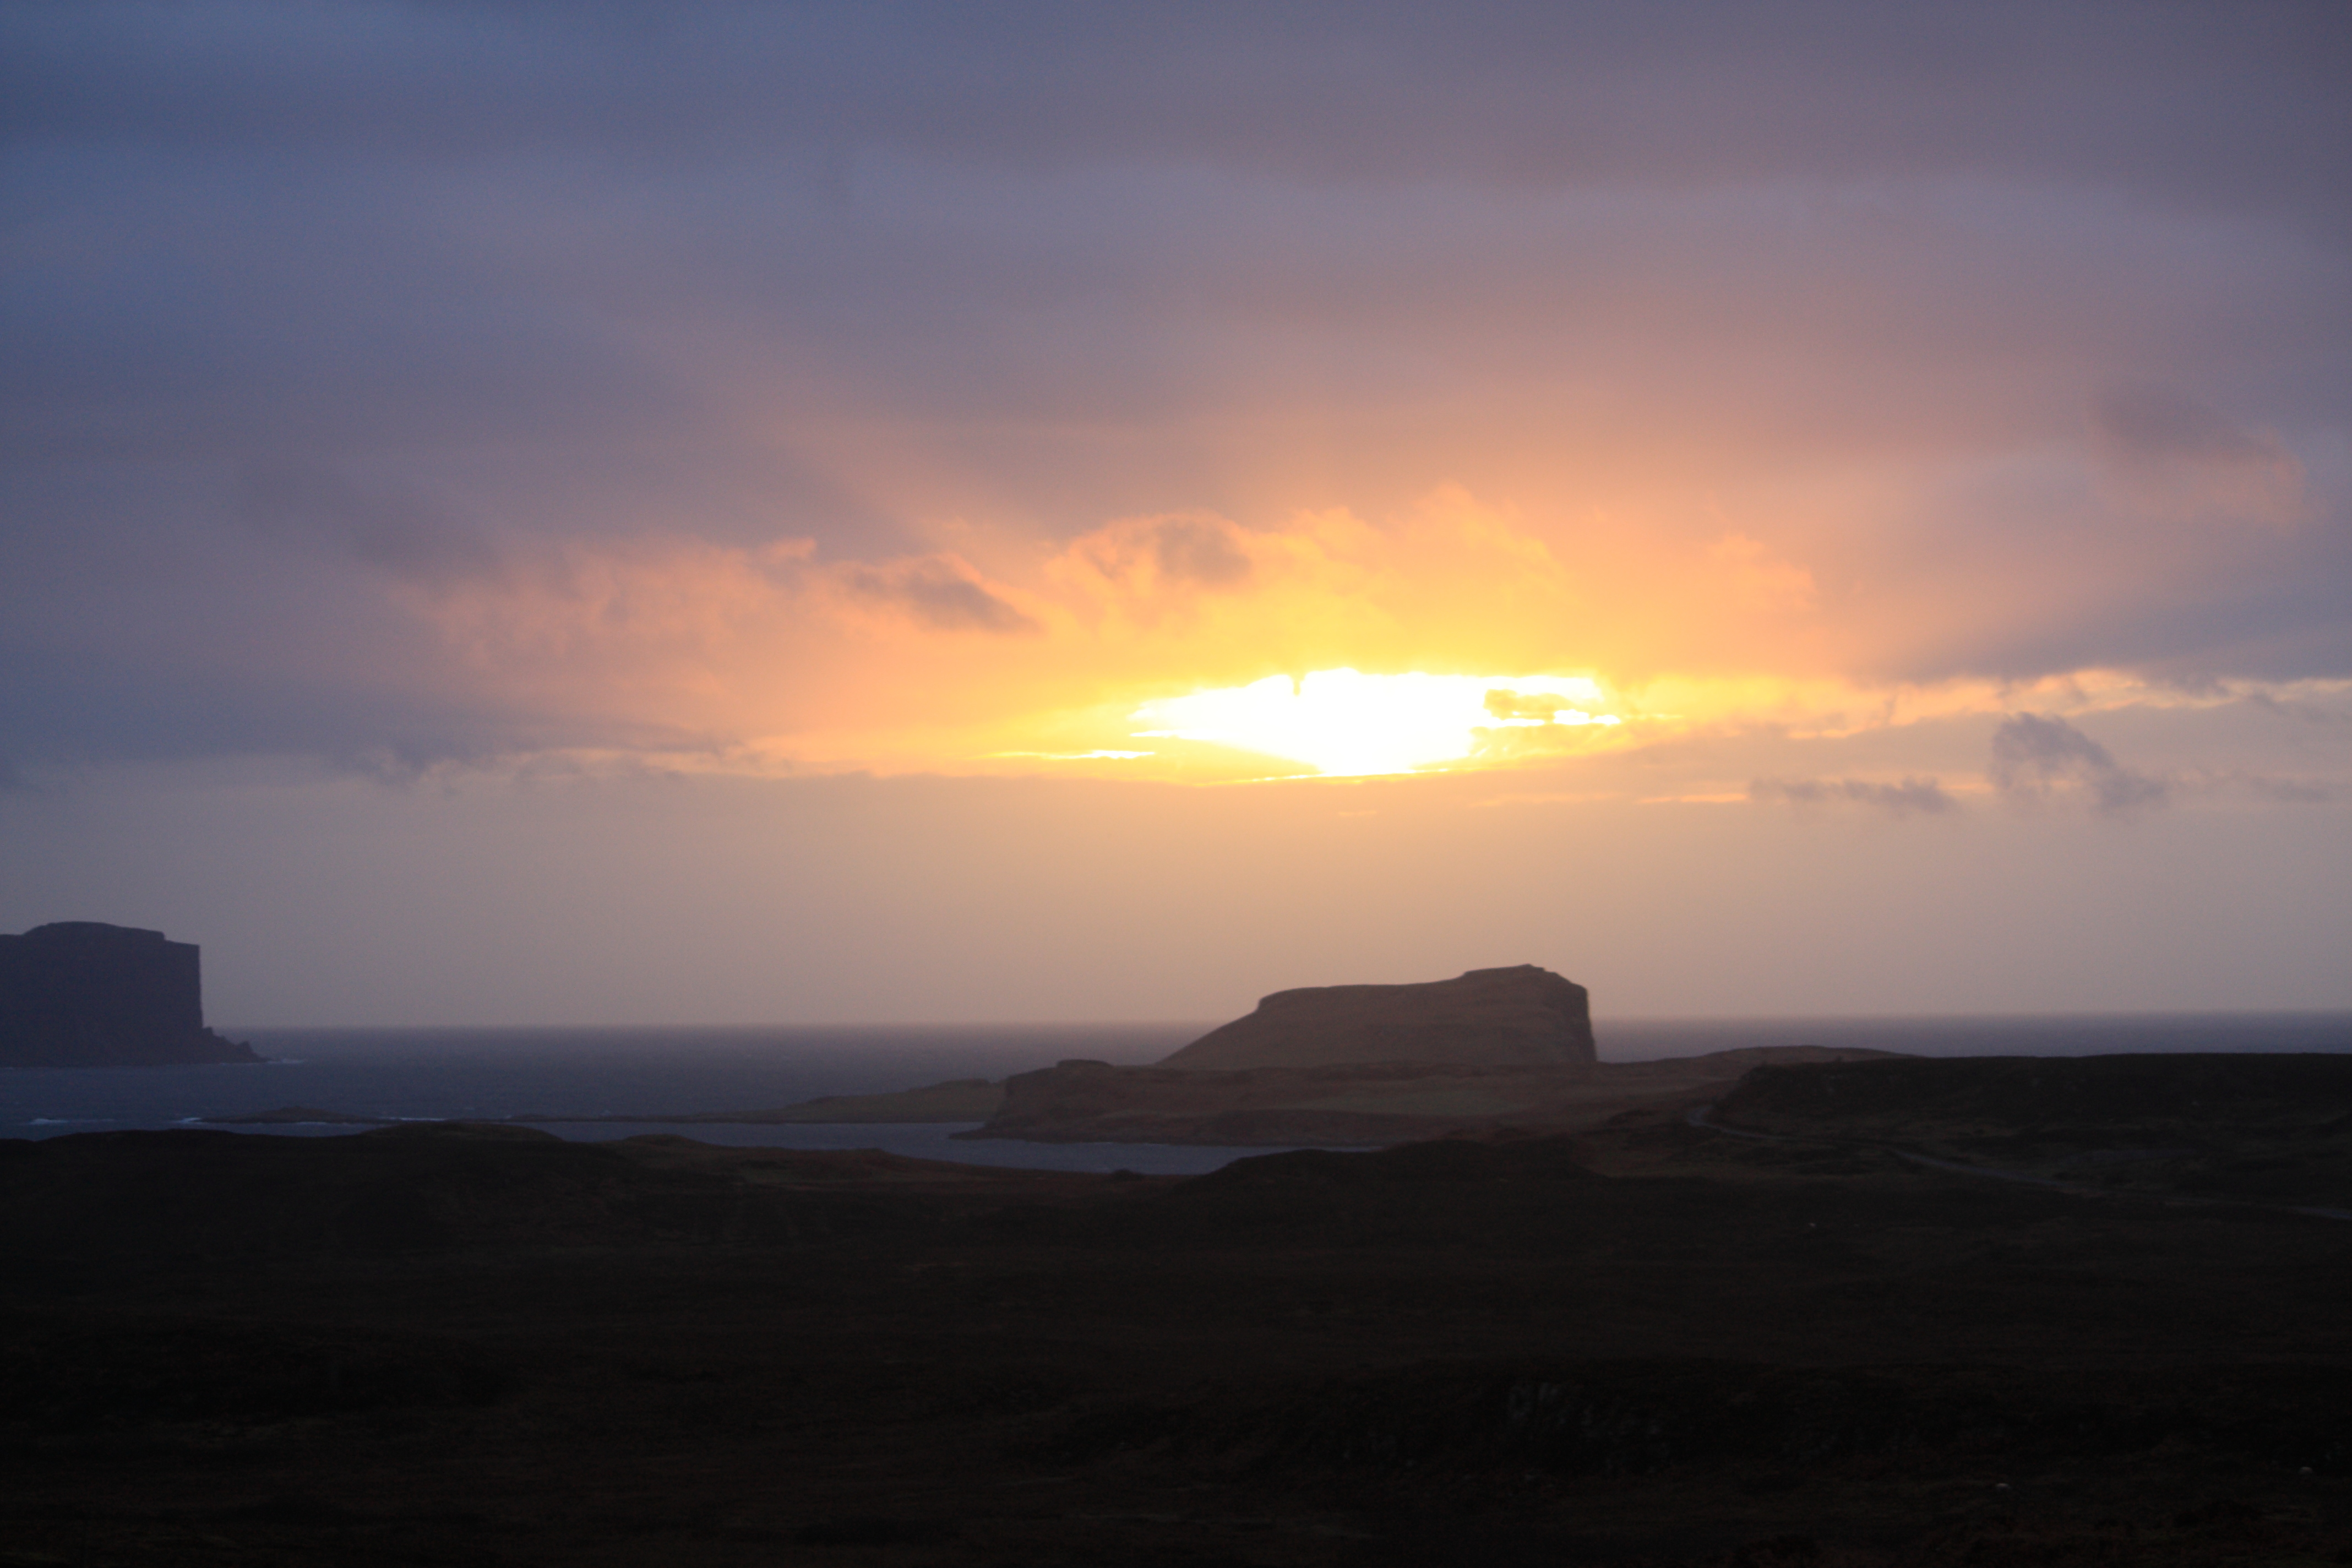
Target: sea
[646, 1075]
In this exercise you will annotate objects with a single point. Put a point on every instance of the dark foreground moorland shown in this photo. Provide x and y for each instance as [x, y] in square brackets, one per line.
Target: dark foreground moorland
[1762, 1334]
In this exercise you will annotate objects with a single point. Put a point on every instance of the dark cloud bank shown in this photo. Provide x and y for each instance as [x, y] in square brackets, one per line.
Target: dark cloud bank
[2035, 757]
[2035, 760]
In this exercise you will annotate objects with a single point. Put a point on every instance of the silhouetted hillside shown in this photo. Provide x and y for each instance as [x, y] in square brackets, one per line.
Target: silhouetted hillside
[1654, 1342]
[2273, 1129]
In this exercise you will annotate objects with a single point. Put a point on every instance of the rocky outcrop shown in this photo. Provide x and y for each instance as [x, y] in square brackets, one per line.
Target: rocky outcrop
[82, 993]
[1521, 1016]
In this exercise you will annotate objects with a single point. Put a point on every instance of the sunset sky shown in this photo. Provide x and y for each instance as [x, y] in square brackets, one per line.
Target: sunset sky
[617, 513]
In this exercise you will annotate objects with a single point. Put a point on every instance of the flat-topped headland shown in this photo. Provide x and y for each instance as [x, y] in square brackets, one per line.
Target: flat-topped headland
[80, 993]
[1520, 1016]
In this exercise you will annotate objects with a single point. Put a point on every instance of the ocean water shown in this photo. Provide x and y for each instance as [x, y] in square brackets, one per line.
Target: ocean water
[455, 1073]
[438, 1074]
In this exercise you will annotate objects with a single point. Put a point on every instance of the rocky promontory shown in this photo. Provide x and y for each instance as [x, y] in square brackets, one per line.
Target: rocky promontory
[1490, 1051]
[1518, 1016]
[78, 993]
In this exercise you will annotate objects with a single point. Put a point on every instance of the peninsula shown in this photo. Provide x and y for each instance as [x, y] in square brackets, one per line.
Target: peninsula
[1508, 1049]
[1493, 1051]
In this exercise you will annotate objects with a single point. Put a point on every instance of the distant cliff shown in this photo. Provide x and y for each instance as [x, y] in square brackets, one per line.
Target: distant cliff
[1521, 1016]
[82, 993]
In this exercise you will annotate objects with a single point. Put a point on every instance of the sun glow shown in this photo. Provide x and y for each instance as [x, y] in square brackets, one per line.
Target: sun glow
[1344, 722]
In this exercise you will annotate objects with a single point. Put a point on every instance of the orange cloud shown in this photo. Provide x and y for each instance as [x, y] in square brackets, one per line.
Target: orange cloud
[1109, 651]
[1756, 581]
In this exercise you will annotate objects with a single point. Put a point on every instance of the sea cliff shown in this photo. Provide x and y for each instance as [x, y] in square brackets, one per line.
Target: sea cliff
[84, 994]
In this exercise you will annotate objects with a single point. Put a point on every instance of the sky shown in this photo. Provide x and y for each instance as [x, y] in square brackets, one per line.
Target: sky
[899, 512]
